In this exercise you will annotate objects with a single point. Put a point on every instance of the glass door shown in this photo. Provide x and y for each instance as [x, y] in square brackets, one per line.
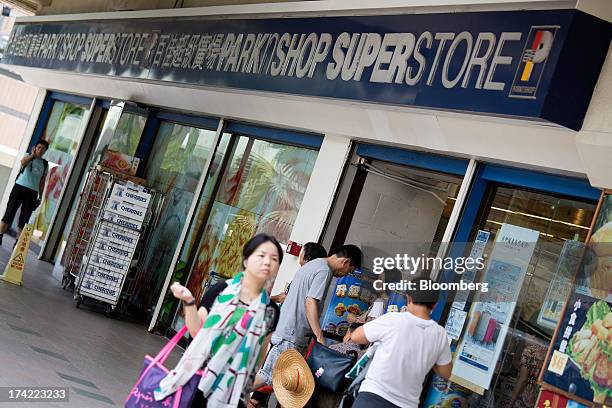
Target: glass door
[260, 190]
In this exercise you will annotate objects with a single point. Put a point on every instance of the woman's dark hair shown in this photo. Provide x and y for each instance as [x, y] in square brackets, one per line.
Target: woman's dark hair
[314, 250]
[256, 241]
[44, 143]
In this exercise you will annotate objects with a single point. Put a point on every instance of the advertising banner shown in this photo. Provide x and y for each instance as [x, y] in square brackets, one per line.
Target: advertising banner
[491, 312]
[397, 303]
[595, 279]
[109, 262]
[351, 295]
[580, 361]
[121, 220]
[445, 394]
[120, 162]
[132, 194]
[469, 275]
[499, 62]
[126, 209]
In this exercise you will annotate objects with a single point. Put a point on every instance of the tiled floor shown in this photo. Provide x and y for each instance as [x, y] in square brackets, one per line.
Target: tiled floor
[46, 341]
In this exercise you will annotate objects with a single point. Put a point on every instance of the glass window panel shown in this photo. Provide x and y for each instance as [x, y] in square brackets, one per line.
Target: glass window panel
[75, 204]
[128, 133]
[261, 191]
[175, 166]
[196, 233]
[561, 223]
[63, 134]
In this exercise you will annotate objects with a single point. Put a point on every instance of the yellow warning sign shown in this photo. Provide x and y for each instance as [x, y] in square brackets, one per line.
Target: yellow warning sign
[19, 258]
[14, 270]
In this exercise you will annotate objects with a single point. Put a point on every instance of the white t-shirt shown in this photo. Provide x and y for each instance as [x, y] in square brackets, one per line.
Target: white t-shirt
[408, 348]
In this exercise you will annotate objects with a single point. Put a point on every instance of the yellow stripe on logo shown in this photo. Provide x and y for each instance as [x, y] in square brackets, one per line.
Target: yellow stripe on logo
[527, 71]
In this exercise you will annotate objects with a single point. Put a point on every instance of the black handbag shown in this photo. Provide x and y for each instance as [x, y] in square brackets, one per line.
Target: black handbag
[329, 367]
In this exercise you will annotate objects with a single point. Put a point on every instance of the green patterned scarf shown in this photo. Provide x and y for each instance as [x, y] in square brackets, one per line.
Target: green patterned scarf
[228, 345]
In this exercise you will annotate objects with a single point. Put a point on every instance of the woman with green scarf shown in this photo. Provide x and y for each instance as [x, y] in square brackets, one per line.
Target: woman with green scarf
[234, 320]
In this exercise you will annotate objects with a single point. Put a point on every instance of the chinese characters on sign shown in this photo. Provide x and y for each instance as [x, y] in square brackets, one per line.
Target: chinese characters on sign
[495, 62]
[581, 358]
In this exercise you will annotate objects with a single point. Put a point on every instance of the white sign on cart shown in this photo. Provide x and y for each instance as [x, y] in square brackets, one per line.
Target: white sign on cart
[115, 243]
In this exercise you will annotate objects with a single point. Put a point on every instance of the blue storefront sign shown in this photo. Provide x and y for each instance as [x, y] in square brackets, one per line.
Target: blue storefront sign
[529, 64]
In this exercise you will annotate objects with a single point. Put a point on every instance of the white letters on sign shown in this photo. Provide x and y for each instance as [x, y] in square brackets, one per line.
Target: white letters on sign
[126, 209]
[130, 195]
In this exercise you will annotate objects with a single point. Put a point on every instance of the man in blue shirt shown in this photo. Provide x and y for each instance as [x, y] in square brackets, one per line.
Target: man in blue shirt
[28, 189]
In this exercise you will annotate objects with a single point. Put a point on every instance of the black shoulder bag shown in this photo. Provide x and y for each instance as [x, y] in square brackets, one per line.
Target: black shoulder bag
[329, 367]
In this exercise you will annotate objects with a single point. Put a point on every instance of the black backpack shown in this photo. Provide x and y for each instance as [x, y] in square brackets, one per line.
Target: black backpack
[30, 164]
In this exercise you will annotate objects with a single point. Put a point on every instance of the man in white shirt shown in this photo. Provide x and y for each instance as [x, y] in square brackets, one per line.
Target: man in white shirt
[409, 346]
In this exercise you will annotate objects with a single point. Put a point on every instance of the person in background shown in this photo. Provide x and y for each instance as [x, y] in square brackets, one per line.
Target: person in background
[526, 390]
[220, 313]
[299, 316]
[28, 189]
[379, 306]
[310, 251]
[347, 344]
[408, 346]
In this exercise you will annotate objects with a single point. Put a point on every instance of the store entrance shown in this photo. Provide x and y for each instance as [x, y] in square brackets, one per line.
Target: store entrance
[400, 210]
[509, 360]
[387, 209]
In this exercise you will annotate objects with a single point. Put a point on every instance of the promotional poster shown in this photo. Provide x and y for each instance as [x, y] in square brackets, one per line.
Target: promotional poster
[492, 311]
[397, 303]
[350, 296]
[580, 361]
[445, 394]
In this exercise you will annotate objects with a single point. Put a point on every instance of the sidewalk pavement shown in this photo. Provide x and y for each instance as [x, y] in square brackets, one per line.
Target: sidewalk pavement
[45, 341]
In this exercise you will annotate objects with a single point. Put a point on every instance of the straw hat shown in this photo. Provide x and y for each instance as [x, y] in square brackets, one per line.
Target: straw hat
[292, 380]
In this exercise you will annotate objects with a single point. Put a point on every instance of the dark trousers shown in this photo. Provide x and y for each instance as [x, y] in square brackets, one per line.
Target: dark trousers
[20, 197]
[369, 400]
